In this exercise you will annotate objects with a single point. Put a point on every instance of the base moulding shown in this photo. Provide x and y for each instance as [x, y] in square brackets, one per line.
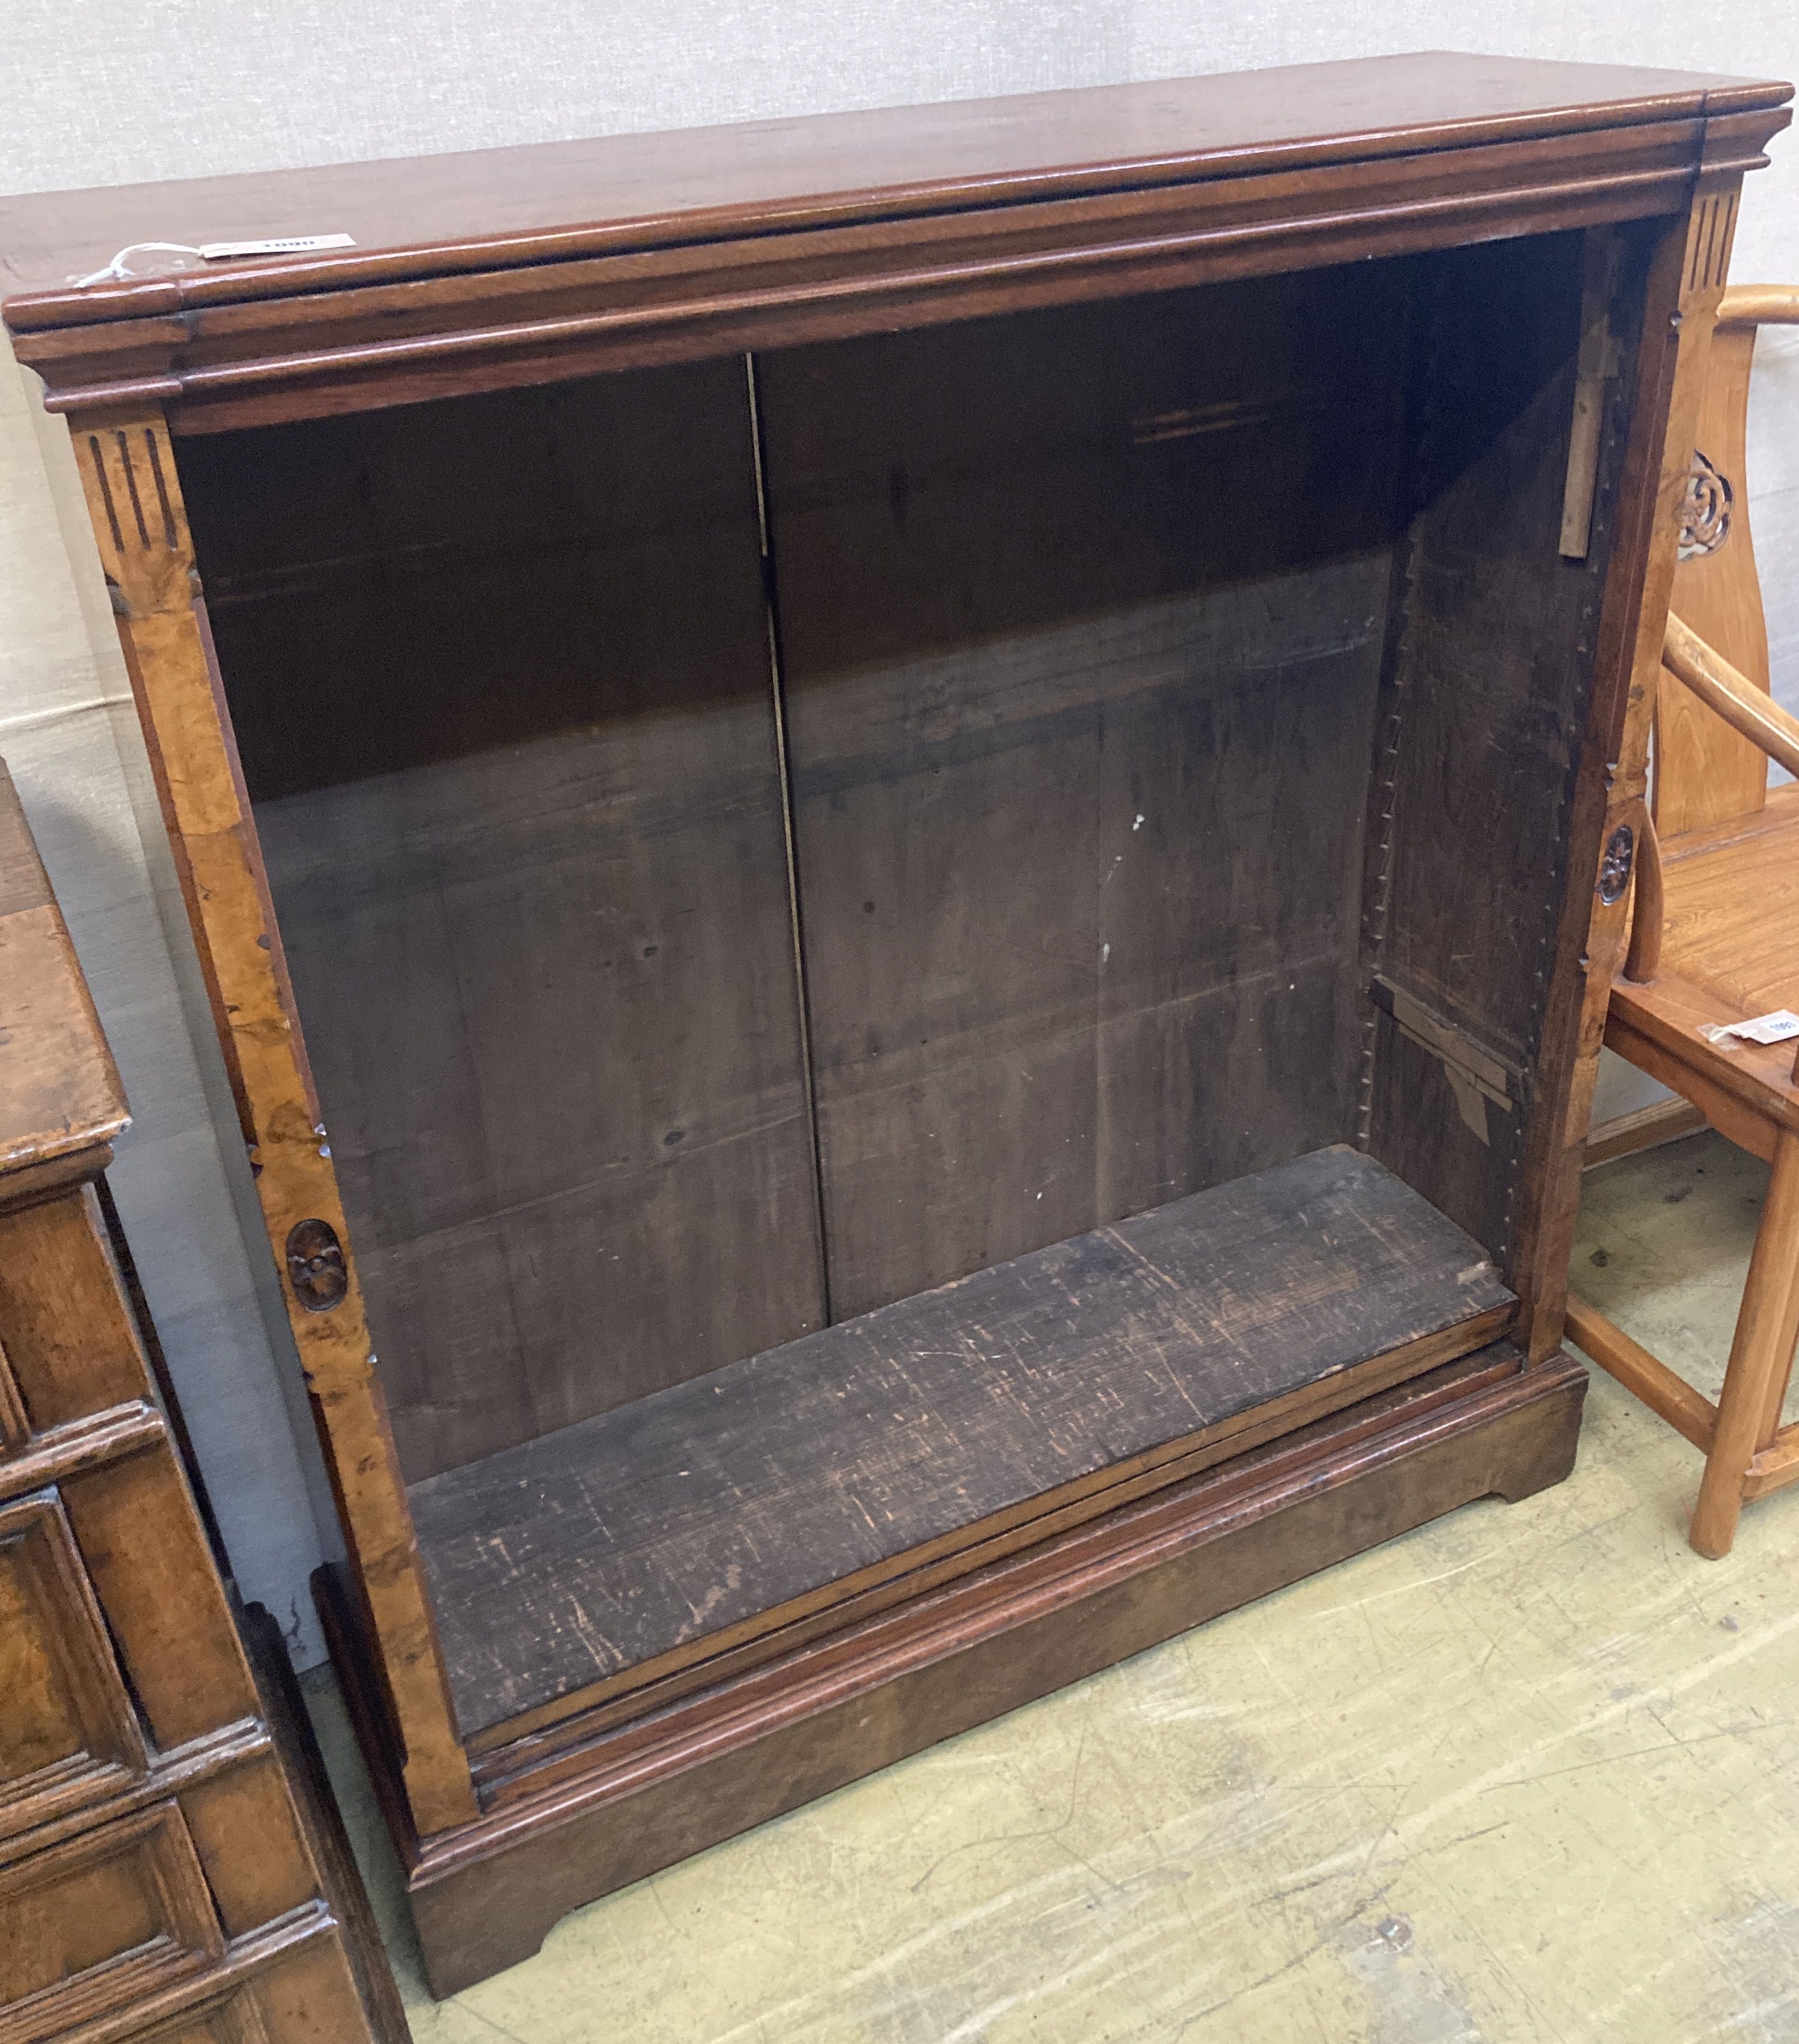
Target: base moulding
[565, 1822]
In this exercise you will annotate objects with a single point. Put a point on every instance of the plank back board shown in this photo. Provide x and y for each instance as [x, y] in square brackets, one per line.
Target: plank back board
[499, 680]
[1083, 615]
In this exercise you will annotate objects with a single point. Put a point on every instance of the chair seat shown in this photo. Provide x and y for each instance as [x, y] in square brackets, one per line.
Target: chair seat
[1730, 951]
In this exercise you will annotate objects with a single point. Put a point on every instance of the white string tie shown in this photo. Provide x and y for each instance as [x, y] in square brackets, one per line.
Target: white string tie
[214, 251]
[116, 268]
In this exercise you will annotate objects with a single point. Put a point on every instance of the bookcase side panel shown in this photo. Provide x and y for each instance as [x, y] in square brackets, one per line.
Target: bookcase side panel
[128, 466]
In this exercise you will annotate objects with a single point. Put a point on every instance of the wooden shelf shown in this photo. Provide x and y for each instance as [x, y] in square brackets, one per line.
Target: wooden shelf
[710, 1521]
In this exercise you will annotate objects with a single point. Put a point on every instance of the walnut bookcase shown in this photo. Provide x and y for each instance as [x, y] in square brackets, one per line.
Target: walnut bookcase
[947, 796]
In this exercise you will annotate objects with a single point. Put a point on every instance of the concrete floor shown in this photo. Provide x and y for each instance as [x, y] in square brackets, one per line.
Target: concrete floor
[1530, 1773]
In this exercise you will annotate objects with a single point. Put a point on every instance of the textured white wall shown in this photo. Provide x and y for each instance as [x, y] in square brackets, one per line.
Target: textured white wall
[123, 91]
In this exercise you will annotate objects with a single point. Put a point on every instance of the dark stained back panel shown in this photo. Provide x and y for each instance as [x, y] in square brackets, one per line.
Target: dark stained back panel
[1083, 618]
[499, 676]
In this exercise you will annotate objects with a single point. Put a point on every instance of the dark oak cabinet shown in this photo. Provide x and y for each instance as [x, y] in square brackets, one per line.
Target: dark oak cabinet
[165, 1876]
[946, 797]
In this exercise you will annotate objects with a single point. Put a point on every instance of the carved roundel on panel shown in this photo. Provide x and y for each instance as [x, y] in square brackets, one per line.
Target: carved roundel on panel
[1705, 510]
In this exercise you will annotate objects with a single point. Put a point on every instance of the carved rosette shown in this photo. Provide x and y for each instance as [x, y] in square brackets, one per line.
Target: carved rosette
[1705, 510]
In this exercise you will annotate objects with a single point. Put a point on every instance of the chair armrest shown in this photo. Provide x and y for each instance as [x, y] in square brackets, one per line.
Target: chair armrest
[1742, 706]
[1760, 304]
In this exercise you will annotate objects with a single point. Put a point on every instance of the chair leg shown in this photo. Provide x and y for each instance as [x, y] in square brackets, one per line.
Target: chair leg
[1761, 1357]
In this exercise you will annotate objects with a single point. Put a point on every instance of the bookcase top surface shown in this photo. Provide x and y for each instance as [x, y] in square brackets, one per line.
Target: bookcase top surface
[989, 189]
[954, 153]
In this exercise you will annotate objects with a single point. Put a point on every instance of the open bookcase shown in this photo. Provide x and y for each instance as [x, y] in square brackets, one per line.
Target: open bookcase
[946, 797]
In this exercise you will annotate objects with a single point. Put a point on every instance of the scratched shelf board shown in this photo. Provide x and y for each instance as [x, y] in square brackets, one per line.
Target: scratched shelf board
[666, 1532]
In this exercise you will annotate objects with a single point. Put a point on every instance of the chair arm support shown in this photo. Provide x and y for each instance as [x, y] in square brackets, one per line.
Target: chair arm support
[1643, 959]
[1742, 706]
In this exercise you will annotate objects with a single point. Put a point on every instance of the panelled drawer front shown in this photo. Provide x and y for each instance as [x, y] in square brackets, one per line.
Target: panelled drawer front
[77, 1412]
[234, 2022]
[65, 1327]
[68, 1734]
[292, 1984]
[15, 1422]
[92, 1927]
[234, 2018]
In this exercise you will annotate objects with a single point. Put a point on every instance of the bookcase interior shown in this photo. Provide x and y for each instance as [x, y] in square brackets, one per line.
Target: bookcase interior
[758, 841]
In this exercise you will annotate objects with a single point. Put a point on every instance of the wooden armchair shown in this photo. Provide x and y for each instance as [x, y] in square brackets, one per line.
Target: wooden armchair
[1714, 939]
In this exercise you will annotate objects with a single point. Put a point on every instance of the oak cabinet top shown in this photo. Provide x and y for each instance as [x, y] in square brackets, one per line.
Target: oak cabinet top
[59, 1091]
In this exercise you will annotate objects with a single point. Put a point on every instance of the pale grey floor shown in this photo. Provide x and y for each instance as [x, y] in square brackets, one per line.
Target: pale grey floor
[1532, 1773]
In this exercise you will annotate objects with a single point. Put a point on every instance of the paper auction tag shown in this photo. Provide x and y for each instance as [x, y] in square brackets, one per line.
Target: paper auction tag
[286, 244]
